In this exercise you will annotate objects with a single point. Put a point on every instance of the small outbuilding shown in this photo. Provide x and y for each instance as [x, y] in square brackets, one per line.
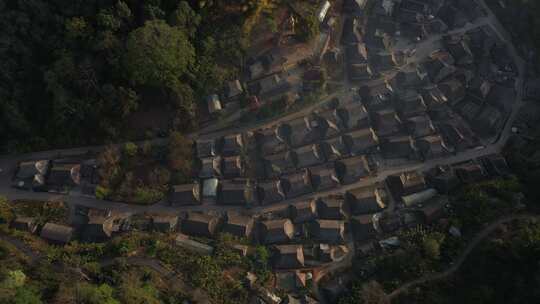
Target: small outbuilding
[277, 231]
[198, 224]
[57, 234]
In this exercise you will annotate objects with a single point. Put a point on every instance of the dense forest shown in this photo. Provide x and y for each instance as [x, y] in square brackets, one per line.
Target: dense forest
[87, 71]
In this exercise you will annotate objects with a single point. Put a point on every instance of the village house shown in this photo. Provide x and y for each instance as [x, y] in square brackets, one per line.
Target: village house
[329, 122]
[360, 72]
[232, 145]
[214, 104]
[301, 131]
[185, 242]
[433, 146]
[270, 86]
[460, 50]
[444, 179]
[236, 193]
[304, 211]
[386, 122]
[335, 148]
[277, 164]
[411, 103]
[31, 174]
[185, 195]
[256, 70]
[404, 80]
[496, 165]
[164, 223]
[366, 200]
[361, 142]
[238, 225]
[436, 70]
[399, 147]
[329, 231]
[205, 148]
[352, 169]
[289, 257]
[297, 184]
[100, 226]
[234, 90]
[455, 137]
[469, 172]
[411, 182]
[309, 155]
[452, 90]
[419, 197]
[331, 208]
[210, 167]
[57, 234]
[270, 192]
[210, 190]
[434, 210]
[354, 116]
[324, 177]
[290, 281]
[64, 175]
[232, 167]
[269, 141]
[201, 225]
[419, 126]
[276, 231]
[27, 224]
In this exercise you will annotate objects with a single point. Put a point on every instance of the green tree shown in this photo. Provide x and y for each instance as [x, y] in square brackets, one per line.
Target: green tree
[432, 248]
[158, 54]
[133, 290]
[14, 279]
[26, 295]
[130, 149]
[77, 28]
[91, 294]
[308, 27]
[6, 213]
[185, 18]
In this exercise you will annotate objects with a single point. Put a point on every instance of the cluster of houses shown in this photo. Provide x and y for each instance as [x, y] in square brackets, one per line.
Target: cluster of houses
[420, 198]
[444, 102]
[295, 158]
[58, 175]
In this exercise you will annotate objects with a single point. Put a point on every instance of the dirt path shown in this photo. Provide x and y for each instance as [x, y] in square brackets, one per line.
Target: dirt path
[457, 264]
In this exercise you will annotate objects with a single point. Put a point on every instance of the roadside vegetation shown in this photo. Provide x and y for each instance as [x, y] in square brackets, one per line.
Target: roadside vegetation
[142, 174]
[503, 269]
[98, 273]
[429, 249]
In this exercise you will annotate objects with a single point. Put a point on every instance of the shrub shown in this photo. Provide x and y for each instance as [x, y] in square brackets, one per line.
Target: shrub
[102, 192]
[130, 149]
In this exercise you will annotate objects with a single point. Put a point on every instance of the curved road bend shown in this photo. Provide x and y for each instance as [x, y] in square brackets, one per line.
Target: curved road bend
[463, 256]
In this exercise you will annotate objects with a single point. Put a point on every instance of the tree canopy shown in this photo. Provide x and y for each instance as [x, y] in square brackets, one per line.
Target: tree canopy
[158, 54]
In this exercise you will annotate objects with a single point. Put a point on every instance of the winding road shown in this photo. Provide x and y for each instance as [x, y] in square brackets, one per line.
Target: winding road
[463, 256]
